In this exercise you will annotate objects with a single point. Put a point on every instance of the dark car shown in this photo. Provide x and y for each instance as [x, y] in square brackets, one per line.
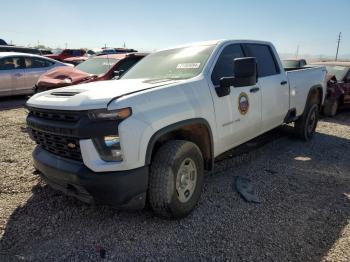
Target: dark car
[19, 49]
[2, 42]
[338, 86]
[61, 54]
[97, 68]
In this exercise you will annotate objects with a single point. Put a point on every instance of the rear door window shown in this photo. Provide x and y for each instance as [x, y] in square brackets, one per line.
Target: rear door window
[34, 62]
[224, 64]
[266, 61]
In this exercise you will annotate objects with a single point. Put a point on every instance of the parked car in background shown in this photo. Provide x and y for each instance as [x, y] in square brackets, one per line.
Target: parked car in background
[20, 49]
[96, 68]
[45, 51]
[109, 50]
[338, 86]
[293, 63]
[2, 42]
[76, 60]
[19, 72]
[61, 54]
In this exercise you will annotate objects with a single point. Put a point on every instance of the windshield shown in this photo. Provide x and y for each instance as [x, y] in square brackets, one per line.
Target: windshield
[97, 66]
[179, 63]
[338, 71]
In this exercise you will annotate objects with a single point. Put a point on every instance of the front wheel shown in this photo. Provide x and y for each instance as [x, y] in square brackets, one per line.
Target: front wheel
[305, 126]
[176, 179]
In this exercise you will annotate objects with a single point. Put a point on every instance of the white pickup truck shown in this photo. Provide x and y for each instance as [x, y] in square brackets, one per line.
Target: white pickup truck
[150, 135]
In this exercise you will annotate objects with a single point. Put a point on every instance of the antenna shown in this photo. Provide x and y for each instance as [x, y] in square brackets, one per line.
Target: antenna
[339, 39]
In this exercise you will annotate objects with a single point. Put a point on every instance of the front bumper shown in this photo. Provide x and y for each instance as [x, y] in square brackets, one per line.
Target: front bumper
[123, 189]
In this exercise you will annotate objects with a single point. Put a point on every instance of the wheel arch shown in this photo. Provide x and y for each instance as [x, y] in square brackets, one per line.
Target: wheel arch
[196, 130]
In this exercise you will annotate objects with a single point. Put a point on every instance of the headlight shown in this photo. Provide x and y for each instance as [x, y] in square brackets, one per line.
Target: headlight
[109, 148]
[104, 114]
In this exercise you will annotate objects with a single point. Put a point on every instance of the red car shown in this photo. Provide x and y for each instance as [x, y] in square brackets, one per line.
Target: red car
[60, 55]
[96, 68]
[338, 86]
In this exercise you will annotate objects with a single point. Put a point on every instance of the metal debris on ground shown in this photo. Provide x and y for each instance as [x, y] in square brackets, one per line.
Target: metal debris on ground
[245, 188]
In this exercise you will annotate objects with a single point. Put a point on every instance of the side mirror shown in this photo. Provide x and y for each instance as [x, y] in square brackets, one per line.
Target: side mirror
[245, 74]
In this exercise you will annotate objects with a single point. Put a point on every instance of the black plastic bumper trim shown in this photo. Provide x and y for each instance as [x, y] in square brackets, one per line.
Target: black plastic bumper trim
[123, 189]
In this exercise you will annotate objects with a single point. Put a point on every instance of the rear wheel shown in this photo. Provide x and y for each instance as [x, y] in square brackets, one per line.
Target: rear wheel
[305, 126]
[176, 179]
[330, 108]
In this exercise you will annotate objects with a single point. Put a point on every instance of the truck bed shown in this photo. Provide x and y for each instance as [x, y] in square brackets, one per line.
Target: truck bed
[300, 81]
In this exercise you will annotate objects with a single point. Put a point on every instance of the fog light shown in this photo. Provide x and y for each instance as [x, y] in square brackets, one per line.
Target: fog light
[109, 148]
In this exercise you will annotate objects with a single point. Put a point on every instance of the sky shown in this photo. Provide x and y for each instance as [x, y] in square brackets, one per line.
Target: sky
[148, 25]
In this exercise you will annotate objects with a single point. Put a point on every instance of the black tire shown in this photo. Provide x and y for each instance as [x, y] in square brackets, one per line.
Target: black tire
[163, 196]
[330, 108]
[305, 126]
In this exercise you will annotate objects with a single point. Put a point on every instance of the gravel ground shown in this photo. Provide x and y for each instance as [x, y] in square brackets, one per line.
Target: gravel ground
[304, 214]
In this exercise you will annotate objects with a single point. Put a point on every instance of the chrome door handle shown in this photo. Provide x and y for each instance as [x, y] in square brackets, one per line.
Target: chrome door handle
[283, 83]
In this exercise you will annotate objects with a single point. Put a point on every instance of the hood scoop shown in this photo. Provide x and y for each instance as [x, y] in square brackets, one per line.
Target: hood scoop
[62, 93]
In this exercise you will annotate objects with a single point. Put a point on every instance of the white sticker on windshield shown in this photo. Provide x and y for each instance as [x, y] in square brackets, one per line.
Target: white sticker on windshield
[339, 68]
[188, 65]
[107, 64]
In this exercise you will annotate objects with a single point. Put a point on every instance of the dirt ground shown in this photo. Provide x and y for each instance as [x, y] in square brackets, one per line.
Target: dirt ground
[304, 214]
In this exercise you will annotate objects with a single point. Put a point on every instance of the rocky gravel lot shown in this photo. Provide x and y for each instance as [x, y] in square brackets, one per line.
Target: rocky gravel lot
[304, 214]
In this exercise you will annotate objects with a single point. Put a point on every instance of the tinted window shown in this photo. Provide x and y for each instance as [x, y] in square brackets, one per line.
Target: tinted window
[224, 65]
[33, 62]
[9, 63]
[126, 65]
[76, 53]
[266, 62]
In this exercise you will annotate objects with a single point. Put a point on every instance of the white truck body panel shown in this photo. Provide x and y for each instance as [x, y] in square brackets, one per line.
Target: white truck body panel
[158, 105]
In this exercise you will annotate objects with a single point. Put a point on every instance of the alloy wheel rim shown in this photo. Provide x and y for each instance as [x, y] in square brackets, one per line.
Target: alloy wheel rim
[312, 122]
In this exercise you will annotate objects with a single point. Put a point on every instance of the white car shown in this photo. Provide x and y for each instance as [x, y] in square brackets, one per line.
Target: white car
[19, 72]
[151, 134]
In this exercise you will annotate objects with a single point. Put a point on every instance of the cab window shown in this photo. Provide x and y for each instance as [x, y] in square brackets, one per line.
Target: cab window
[265, 59]
[224, 64]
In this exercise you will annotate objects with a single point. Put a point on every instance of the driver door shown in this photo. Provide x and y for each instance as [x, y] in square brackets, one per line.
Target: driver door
[238, 115]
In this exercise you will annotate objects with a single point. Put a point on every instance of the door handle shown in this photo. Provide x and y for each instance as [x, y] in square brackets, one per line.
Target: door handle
[284, 83]
[18, 74]
[254, 89]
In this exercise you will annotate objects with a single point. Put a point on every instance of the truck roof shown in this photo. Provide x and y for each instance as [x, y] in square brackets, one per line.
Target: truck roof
[216, 42]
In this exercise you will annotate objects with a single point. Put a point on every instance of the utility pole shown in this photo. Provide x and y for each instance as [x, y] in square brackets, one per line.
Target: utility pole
[66, 45]
[339, 39]
[297, 53]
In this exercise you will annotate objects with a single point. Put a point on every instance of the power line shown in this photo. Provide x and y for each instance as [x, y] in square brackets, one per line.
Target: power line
[339, 39]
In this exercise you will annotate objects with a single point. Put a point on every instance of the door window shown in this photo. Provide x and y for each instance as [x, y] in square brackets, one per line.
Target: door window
[34, 62]
[265, 59]
[10, 63]
[126, 65]
[224, 65]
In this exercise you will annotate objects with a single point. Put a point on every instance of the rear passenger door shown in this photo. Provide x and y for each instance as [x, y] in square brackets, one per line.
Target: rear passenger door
[35, 67]
[272, 83]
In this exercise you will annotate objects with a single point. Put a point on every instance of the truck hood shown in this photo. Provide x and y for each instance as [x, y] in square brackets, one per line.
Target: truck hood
[93, 95]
